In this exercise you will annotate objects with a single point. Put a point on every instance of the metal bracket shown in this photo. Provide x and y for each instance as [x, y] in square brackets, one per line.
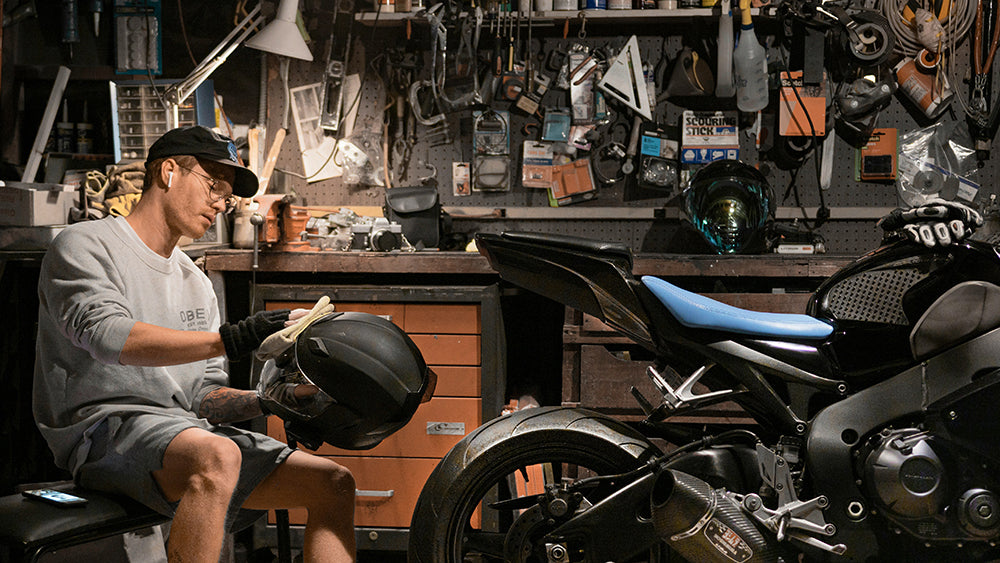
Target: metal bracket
[683, 396]
[793, 519]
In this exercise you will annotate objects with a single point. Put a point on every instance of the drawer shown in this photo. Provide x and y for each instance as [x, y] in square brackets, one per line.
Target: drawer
[442, 318]
[605, 381]
[396, 312]
[375, 477]
[458, 381]
[456, 343]
[421, 437]
[449, 349]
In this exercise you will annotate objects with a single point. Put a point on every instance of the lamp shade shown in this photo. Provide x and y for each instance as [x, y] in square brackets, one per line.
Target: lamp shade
[282, 36]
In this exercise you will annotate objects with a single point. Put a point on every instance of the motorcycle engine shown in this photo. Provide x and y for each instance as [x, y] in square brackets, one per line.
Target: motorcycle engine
[929, 487]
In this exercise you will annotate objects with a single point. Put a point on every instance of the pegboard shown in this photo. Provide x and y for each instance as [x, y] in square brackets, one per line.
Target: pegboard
[658, 43]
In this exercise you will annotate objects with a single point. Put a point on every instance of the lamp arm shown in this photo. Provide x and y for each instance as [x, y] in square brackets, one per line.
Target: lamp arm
[176, 93]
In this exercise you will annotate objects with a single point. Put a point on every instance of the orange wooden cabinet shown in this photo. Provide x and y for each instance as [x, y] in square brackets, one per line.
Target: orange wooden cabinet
[458, 332]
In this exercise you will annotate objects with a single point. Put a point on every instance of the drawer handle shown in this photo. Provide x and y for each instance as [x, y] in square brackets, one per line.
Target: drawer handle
[380, 494]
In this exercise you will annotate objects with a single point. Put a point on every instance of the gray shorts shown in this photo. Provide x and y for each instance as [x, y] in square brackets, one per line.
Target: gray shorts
[127, 450]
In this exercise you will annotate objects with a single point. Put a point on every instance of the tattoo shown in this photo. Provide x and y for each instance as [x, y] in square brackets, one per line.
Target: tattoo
[229, 405]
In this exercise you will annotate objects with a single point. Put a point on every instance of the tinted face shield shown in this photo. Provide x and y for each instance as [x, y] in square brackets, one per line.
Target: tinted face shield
[283, 387]
[729, 203]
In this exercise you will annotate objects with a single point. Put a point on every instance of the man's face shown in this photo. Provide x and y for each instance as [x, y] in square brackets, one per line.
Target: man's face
[203, 191]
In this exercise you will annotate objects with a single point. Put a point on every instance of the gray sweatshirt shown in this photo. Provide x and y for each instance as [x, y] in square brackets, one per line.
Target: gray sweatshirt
[97, 280]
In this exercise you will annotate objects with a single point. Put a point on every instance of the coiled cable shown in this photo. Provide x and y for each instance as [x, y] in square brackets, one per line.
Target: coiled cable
[961, 17]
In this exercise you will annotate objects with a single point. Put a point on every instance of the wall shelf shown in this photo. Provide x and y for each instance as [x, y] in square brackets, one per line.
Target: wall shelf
[551, 17]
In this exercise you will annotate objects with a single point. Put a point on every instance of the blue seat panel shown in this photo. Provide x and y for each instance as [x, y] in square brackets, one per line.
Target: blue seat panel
[697, 311]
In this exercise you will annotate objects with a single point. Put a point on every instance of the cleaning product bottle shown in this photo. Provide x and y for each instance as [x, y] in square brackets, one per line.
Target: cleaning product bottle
[750, 66]
[724, 86]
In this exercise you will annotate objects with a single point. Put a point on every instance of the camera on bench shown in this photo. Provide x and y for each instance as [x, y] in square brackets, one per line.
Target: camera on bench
[379, 235]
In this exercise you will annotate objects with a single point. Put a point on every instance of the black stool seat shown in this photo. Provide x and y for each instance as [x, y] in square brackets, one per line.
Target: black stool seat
[30, 527]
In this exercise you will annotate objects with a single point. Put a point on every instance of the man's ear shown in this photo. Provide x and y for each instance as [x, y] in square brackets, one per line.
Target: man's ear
[167, 167]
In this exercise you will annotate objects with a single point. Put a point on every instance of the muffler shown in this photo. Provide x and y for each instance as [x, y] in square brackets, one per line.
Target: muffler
[704, 526]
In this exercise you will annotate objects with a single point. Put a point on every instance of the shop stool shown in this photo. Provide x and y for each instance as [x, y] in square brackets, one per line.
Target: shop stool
[30, 528]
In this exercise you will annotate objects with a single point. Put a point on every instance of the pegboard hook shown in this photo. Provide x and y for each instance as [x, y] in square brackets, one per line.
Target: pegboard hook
[432, 176]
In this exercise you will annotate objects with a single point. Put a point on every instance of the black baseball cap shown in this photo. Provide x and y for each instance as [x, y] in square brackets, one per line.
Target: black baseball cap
[202, 142]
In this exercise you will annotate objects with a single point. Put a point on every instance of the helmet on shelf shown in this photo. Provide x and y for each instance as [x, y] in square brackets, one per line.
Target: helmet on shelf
[366, 379]
[729, 202]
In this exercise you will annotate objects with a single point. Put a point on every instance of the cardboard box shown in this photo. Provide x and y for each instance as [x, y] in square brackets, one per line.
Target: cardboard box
[25, 204]
[709, 136]
[28, 238]
[792, 118]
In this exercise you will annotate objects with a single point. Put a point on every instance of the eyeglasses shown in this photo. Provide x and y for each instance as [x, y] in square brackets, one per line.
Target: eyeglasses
[215, 193]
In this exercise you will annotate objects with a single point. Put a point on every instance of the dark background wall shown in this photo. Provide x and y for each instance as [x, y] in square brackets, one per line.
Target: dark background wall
[32, 52]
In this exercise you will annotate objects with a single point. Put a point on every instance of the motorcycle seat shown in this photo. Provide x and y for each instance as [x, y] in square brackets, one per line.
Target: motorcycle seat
[697, 311]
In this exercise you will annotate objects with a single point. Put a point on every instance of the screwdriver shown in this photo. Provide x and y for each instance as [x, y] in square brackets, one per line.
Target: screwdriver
[70, 32]
[96, 7]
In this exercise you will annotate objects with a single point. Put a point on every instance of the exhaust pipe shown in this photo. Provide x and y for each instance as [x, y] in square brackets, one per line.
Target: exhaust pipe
[703, 525]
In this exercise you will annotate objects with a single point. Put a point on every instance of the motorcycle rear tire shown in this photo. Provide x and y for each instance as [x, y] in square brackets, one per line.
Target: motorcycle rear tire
[439, 531]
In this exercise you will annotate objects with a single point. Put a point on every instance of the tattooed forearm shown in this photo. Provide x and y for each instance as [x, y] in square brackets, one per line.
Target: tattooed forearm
[229, 405]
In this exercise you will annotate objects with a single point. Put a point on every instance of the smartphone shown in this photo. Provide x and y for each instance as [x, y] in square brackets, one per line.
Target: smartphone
[55, 497]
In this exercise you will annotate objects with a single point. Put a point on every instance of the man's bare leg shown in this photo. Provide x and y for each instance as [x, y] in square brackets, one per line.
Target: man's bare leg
[201, 470]
[326, 490]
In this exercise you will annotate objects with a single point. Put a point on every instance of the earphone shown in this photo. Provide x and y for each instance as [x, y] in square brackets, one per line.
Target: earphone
[170, 178]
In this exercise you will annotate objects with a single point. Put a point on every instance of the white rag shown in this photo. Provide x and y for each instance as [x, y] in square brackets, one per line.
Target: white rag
[274, 345]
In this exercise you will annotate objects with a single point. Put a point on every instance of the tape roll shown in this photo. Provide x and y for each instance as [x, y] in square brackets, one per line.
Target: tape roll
[927, 182]
[875, 42]
[927, 61]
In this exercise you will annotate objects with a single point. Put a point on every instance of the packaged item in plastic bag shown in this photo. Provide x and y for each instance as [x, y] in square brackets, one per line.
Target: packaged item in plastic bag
[361, 158]
[936, 161]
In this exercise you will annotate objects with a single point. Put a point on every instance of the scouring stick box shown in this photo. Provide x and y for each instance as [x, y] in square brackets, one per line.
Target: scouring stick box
[707, 136]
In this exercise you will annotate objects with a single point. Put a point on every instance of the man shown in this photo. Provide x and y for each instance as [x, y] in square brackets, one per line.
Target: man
[129, 389]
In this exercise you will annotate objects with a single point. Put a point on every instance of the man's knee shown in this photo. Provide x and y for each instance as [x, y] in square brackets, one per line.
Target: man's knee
[216, 466]
[335, 483]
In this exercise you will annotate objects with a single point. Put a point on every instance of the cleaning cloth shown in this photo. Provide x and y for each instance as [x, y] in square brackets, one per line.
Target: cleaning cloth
[274, 345]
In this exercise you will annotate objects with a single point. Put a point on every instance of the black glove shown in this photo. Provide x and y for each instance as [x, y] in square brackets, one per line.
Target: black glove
[938, 222]
[242, 338]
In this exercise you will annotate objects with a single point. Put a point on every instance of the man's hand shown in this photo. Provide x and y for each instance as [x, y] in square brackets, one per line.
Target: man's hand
[936, 223]
[284, 396]
[242, 338]
[283, 339]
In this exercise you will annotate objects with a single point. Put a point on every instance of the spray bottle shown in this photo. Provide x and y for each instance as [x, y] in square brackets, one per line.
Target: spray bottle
[750, 66]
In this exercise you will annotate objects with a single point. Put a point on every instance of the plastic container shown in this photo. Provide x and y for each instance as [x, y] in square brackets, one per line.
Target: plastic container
[64, 137]
[750, 67]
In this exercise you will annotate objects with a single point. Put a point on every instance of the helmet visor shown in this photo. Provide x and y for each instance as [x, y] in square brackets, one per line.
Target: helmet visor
[290, 388]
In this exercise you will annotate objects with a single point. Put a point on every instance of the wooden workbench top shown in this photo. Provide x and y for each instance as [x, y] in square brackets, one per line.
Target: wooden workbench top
[770, 265]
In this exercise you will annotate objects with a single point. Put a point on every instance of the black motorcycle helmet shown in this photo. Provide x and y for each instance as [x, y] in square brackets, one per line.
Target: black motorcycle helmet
[729, 202]
[369, 379]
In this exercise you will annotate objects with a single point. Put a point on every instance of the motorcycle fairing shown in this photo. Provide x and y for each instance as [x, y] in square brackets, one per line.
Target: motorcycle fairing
[841, 427]
[697, 311]
[968, 416]
[593, 277]
[876, 301]
[968, 309]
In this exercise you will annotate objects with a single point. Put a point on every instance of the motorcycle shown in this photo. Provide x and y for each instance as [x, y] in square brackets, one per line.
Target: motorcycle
[874, 436]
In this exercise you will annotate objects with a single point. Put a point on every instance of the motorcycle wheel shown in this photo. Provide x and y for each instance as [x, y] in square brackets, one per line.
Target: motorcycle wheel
[453, 522]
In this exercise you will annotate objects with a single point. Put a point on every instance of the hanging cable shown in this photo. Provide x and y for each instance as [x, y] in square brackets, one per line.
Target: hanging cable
[822, 212]
[958, 21]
